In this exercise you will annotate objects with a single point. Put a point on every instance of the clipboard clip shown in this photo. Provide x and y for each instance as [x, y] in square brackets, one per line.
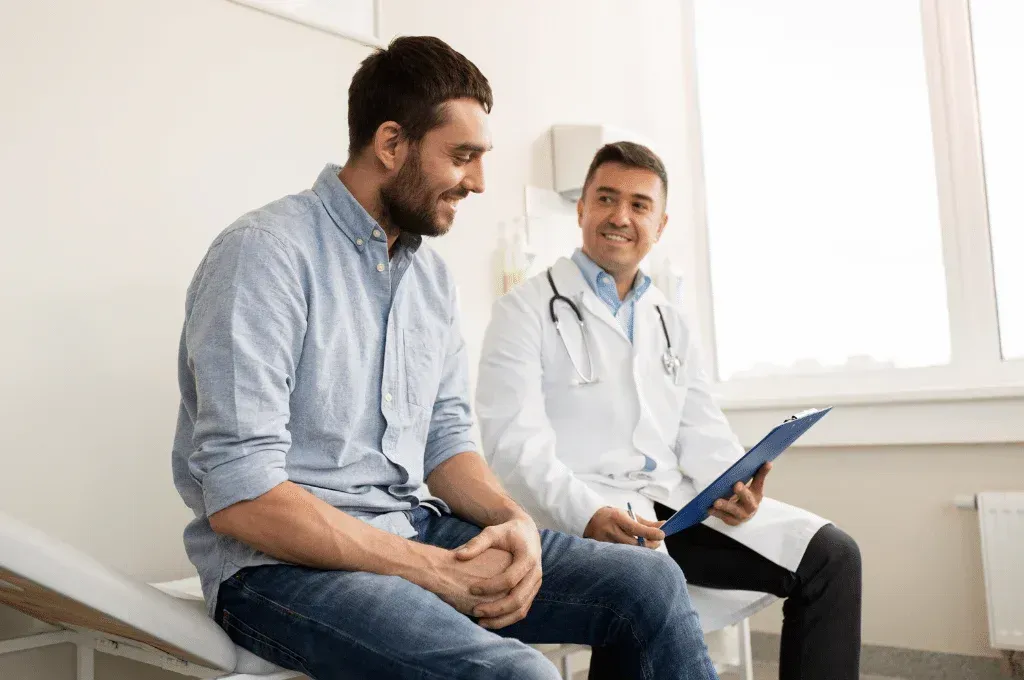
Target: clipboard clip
[801, 414]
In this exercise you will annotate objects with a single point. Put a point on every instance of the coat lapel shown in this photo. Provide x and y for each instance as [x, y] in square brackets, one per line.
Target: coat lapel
[572, 285]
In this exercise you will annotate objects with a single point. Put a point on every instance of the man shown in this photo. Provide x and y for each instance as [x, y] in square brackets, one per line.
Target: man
[323, 380]
[592, 399]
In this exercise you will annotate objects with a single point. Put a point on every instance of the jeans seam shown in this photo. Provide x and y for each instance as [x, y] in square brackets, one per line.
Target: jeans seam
[355, 642]
[646, 668]
[245, 630]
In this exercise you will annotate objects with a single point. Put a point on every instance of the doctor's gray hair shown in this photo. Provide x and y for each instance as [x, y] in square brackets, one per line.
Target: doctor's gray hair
[631, 155]
[409, 83]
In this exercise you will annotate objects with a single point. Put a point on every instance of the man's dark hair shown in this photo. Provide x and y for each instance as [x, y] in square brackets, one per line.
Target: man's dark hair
[631, 155]
[409, 83]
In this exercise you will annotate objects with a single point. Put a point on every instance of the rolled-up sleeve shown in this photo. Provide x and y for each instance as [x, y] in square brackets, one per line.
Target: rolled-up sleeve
[243, 337]
[452, 429]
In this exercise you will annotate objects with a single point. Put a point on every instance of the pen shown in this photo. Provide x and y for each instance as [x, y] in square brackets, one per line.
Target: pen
[629, 509]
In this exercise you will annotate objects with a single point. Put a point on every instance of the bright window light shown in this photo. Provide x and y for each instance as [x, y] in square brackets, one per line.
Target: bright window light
[822, 206]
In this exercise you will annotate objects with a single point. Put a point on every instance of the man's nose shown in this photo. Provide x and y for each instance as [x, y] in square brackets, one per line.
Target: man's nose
[474, 180]
[620, 216]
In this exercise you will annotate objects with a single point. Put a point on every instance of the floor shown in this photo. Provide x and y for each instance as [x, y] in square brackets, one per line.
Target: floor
[762, 671]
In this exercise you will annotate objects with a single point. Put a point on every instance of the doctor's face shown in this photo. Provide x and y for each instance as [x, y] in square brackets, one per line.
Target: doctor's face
[622, 215]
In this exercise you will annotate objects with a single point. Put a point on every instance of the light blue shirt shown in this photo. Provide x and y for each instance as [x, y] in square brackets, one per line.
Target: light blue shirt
[308, 355]
[603, 285]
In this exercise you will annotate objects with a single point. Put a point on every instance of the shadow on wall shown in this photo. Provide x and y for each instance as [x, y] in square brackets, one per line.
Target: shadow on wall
[542, 163]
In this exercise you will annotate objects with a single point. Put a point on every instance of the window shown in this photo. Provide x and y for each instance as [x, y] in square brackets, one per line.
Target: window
[999, 62]
[822, 208]
[857, 171]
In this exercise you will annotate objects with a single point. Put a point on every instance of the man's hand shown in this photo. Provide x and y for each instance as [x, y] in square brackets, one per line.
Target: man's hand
[452, 579]
[513, 589]
[614, 525]
[744, 504]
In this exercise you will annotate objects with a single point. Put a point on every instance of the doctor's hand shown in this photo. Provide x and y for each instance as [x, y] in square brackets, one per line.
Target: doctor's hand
[614, 525]
[745, 501]
[515, 587]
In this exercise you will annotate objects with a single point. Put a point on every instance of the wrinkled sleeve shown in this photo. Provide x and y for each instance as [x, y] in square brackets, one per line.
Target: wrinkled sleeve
[243, 338]
[451, 422]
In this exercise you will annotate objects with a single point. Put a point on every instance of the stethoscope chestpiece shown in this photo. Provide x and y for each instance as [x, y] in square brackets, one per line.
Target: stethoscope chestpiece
[671, 361]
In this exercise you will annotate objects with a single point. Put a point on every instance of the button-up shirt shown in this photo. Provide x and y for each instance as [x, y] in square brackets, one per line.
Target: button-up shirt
[603, 285]
[309, 355]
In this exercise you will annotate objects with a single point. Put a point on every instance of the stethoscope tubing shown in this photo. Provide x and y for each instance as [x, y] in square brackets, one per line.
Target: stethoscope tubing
[558, 297]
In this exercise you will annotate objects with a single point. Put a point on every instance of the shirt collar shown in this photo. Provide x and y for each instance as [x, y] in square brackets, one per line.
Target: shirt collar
[349, 215]
[598, 279]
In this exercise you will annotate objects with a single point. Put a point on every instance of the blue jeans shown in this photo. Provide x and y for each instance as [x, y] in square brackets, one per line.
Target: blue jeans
[340, 624]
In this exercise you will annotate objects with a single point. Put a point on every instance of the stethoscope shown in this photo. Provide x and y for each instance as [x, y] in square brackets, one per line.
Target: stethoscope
[669, 361]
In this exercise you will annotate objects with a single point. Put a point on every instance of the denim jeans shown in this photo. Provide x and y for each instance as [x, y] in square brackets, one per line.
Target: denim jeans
[339, 624]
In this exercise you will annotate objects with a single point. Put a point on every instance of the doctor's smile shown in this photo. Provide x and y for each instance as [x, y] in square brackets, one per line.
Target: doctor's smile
[615, 237]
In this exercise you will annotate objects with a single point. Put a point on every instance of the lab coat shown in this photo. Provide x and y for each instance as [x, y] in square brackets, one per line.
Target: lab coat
[564, 449]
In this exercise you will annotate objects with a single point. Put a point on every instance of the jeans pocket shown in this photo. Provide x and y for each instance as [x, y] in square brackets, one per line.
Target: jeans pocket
[261, 645]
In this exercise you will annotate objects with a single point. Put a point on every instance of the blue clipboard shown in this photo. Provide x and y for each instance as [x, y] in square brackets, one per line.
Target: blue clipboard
[743, 470]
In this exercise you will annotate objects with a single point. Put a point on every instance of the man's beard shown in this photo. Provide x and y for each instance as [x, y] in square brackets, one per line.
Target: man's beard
[408, 203]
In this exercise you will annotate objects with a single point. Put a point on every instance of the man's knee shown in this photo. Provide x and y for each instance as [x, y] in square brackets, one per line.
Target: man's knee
[522, 662]
[663, 570]
[837, 552]
[648, 581]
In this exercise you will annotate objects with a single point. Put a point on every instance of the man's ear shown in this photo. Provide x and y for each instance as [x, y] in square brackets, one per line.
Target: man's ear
[390, 146]
[661, 227]
[579, 212]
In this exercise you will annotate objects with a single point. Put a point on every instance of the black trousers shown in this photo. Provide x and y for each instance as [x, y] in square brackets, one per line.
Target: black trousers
[821, 615]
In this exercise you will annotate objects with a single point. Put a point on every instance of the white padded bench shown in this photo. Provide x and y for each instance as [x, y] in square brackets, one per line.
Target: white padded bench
[163, 624]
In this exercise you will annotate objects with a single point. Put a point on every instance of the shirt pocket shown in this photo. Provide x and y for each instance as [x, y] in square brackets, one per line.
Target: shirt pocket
[422, 367]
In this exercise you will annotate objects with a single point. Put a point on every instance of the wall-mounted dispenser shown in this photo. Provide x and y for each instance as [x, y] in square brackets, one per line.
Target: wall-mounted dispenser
[574, 146]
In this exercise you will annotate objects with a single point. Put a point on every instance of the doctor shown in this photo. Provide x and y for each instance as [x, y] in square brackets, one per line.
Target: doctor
[592, 396]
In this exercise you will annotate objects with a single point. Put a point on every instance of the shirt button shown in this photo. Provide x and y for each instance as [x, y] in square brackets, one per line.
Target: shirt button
[387, 397]
[359, 241]
[380, 267]
[376, 233]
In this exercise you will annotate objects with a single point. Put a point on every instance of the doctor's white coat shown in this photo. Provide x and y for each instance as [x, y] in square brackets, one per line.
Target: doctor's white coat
[564, 449]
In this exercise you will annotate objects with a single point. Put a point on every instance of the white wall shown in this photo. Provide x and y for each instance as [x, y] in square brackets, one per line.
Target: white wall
[923, 581]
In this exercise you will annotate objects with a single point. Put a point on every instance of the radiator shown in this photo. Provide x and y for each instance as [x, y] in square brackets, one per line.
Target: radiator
[1001, 516]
